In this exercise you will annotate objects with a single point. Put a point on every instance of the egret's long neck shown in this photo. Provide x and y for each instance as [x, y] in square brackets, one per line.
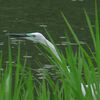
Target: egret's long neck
[52, 48]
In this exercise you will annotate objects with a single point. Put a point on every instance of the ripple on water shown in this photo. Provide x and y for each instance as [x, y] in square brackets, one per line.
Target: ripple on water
[74, 0]
[73, 44]
[43, 25]
[16, 41]
[5, 31]
[81, 0]
[27, 56]
[40, 54]
[48, 66]
[1, 43]
[77, 0]
[41, 72]
[1, 69]
[62, 37]
[7, 62]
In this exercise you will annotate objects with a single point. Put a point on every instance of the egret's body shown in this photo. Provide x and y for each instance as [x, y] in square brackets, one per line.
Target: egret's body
[39, 38]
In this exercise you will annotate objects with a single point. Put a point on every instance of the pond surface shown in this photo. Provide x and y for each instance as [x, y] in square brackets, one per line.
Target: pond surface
[26, 16]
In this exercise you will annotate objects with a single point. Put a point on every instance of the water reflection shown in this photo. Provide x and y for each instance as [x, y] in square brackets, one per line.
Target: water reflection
[27, 56]
[77, 0]
[7, 62]
[16, 41]
[62, 37]
[43, 25]
[41, 72]
[1, 43]
[72, 44]
[5, 31]
[64, 43]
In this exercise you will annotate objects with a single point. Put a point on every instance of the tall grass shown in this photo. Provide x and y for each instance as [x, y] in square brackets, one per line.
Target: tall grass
[68, 85]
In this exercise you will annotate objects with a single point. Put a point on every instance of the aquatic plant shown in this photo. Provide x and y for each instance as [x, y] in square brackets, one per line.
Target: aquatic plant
[24, 86]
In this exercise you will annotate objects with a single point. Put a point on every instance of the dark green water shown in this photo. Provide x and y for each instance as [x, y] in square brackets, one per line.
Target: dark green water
[23, 16]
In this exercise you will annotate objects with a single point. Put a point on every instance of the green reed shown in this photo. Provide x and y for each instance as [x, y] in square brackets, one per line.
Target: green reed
[15, 86]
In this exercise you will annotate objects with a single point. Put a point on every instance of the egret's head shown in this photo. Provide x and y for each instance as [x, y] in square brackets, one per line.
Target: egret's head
[36, 37]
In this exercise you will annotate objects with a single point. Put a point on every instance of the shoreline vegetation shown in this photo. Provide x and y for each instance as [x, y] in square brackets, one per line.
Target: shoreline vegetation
[67, 86]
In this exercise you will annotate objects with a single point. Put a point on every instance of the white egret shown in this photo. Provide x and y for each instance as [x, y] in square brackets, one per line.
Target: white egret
[37, 37]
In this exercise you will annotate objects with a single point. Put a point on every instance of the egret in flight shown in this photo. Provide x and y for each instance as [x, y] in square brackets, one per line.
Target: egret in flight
[37, 37]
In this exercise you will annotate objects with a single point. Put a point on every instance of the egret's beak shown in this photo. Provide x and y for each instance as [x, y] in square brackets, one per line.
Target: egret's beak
[18, 35]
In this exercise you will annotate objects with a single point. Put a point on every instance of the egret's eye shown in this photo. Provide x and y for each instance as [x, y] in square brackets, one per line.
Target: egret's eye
[34, 35]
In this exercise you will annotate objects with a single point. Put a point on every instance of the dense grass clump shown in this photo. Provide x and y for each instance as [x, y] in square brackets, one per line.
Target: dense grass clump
[69, 84]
